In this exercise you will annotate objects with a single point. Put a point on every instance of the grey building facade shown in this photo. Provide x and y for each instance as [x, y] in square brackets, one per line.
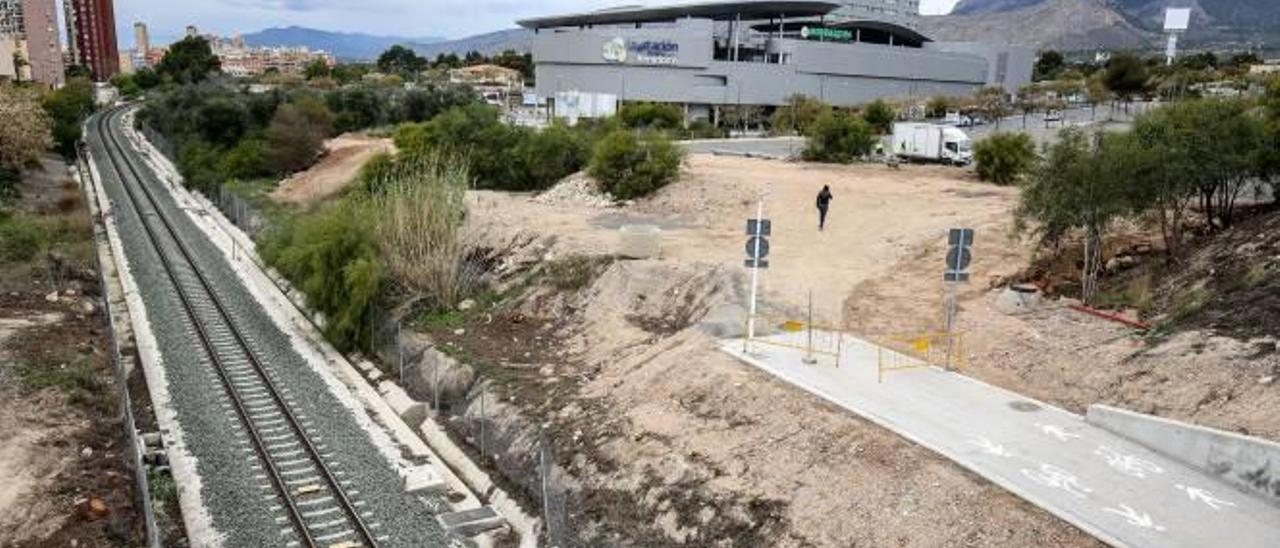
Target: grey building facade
[758, 53]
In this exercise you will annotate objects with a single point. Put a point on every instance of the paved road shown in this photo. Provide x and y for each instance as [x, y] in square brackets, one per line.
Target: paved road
[769, 147]
[1116, 490]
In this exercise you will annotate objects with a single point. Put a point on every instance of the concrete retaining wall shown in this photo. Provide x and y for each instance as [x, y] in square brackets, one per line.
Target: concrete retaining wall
[1251, 464]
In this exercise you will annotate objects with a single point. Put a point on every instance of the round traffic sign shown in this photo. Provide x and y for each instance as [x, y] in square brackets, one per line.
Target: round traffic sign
[751, 247]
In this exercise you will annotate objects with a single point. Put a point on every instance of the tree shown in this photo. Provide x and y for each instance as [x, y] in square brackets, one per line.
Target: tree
[797, 115]
[992, 103]
[146, 78]
[68, 107]
[1029, 101]
[937, 107]
[295, 139]
[126, 85]
[1003, 158]
[1081, 184]
[25, 133]
[1096, 92]
[522, 62]
[1125, 76]
[317, 69]
[1048, 65]
[401, 60]
[222, 121]
[188, 61]
[880, 115]
[838, 136]
[446, 61]
[473, 58]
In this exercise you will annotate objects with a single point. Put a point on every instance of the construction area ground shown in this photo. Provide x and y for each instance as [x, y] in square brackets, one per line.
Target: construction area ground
[666, 437]
[62, 444]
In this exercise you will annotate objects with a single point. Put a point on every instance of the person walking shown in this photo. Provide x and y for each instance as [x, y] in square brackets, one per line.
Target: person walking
[824, 202]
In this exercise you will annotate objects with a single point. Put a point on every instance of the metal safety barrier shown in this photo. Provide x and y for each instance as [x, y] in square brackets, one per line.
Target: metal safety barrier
[915, 351]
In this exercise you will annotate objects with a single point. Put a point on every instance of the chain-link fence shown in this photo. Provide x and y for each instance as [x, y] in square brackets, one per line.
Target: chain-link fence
[240, 212]
[472, 410]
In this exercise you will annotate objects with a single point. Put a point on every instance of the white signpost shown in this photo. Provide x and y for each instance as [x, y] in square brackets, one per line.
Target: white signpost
[758, 232]
[958, 256]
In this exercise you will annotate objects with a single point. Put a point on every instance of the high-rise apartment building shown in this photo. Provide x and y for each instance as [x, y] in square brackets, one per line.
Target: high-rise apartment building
[141, 40]
[92, 27]
[30, 28]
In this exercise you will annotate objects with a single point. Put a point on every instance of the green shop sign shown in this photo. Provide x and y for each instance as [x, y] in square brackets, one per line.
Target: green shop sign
[823, 33]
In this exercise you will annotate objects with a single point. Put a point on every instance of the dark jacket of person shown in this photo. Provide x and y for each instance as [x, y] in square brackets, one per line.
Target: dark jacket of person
[824, 198]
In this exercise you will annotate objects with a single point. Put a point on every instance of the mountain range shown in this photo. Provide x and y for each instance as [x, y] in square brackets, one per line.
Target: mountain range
[346, 46]
[1121, 24]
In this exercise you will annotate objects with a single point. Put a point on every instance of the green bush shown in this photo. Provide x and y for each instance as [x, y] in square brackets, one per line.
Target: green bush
[630, 165]
[475, 132]
[1003, 158]
[880, 115]
[332, 256]
[20, 240]
[68, 107]
[839, 137]
[702, 129]
[800, 112]
[247, 160]
[651, 116]
[546, 156]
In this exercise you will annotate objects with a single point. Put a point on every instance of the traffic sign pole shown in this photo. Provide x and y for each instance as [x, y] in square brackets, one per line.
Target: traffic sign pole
[755, 276]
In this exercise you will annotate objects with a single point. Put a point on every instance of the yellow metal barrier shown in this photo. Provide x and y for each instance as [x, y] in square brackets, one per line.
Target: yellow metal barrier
[898, 353]
[813, 339]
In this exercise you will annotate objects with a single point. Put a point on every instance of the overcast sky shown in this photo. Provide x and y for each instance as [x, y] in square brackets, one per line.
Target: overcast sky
[413, 18]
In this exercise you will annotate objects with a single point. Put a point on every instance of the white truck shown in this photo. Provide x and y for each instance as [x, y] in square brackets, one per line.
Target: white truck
[932, 143]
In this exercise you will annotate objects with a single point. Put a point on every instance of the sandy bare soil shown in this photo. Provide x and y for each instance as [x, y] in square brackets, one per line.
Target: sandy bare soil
[673, 439]
[878, 217]
[336, 170]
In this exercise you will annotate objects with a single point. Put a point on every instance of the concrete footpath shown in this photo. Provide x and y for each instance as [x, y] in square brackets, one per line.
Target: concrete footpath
[1112, 488]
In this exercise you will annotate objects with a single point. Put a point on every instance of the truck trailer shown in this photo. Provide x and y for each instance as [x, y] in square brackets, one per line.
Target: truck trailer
[926, 142]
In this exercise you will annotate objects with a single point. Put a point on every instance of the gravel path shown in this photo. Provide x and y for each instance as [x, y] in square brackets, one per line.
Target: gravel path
[244, 508]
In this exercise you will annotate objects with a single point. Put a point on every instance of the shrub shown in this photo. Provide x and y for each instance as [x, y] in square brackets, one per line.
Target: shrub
[248, 160]
[839, 137]
[880, 115]
[1003, 158]
[800, 112]
[651, 116]
[549, 155]
[24, 135]
[20, 239]
[420, 209]
[68, 107]
[937, 107]
[331, 255]
[474, 132]
[295, 139]
[630, 165]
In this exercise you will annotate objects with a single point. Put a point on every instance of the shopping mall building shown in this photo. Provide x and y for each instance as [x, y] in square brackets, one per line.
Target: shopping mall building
[747, 52]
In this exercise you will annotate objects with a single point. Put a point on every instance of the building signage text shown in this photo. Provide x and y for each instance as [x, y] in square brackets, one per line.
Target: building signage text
[823, 33]
[641, 52]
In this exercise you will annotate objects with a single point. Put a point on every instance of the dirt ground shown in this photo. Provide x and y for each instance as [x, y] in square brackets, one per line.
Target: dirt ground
[62, 454]
[675, 440]
[681, 441]
[343, 157]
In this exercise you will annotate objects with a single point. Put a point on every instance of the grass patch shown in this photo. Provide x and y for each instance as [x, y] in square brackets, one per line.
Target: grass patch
[24, 237]
[1255, 275]
[441, 319]
[575, 272]
[1137, 294]
[1189, 302]
[75, 378]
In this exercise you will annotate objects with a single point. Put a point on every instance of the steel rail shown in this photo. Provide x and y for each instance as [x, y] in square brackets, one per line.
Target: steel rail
[119, 157]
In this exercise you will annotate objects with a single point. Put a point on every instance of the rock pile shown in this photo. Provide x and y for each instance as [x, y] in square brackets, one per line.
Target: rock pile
[576, 189]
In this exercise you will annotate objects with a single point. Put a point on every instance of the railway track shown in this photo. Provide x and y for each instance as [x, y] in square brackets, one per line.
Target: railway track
[320, 511]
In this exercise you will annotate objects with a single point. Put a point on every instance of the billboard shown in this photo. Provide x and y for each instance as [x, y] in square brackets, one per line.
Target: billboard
[1177, 18]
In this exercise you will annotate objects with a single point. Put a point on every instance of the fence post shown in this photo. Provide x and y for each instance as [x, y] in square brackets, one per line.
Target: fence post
[542, 475]
[808, 356]
[482, 432]
[400, 353]
[435, 387]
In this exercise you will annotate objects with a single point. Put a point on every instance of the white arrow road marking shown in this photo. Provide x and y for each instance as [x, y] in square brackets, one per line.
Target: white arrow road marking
[1052, 476]
[991, 448]
[1056, 431]
[1134, 517]
[1128, 464]
[1204, 496]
